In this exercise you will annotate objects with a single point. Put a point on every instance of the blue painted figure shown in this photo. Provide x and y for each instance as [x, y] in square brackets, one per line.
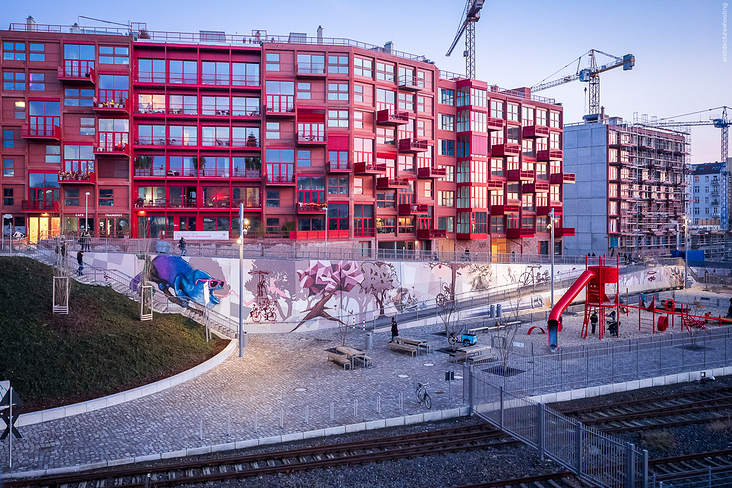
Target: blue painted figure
[177, 279]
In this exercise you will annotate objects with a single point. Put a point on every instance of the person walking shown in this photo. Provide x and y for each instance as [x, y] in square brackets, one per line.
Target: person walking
[86, 241]
[593, 321]
[80, 260]
[394, 329]
[182, 246]
[729, 310]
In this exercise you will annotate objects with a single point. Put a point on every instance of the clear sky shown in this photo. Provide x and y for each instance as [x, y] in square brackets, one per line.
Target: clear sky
[678, 44]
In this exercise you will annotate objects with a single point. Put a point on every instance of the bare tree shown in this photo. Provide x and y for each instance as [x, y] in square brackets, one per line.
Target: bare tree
[503, 335]
[379, 279]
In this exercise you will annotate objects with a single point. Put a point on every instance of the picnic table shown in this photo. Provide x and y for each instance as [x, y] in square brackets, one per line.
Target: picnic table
[353, 354]
[465, 353]
[419, 343]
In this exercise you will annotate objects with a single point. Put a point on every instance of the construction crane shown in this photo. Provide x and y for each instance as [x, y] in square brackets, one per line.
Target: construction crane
[467, 25]
[720, 123]
[591, 75]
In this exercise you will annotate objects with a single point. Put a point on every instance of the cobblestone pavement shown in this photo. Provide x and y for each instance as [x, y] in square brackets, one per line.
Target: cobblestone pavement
[283, 384]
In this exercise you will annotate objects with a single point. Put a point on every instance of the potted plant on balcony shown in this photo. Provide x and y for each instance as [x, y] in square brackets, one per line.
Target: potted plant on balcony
[142, 162]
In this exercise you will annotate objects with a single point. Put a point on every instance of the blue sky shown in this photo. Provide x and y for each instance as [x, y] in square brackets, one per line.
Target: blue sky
[677, 44]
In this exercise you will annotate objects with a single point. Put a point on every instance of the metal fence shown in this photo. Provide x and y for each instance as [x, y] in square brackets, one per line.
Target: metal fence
[708, 478]
[592, 455]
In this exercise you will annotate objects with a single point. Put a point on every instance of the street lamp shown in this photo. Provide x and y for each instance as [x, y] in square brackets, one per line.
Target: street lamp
[243, 339]
[325, 209]
[86, 211]
[551, 251]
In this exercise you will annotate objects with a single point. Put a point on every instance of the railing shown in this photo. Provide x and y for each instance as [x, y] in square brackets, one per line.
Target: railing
[280, 178]
[304, 136]
[77, 69]
[519, 94]
[182, 203]
[339, 165]
[39, 205]
[117, 98]
[150, 172]
[311, 68]
[88, 177]
[408, 81]
[280, 104]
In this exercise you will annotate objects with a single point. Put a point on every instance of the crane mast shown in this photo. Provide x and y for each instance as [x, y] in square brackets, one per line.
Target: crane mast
[467, 26]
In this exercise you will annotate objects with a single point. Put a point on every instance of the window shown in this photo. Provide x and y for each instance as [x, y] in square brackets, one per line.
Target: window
[338, 216]
[14, 51]
[215, 106]
[273, 130]
[244, 106]
[446, 223]
[311, 63]
[541, 120]
[357, 185]
[19, 106]
[497, 226]
[363, 67]
[512, 113]
[406, 225]
[151, 135]
[445, 198]
[357, 119]
[406, 101]
[245, 74]
[8, 138]
[77, 158]
[449, 173]
[71, 197]
[447, 97]
[527, 116]
[385, 99]
[215, 136]
[74, 97]
[114, 55]
[310, 189]
[338, 91]
[303, 159]
[424, 104]
[447, 148]
[386, 199]
[8, 169]
[53, 154]
[280, 165]
[273, 225]
[358, 93]
[36, 82]
[303, 91]
[215, 73]
[338, 118]
[384, 71]
[385, 225]
[37, 52]
[8, 196]
[497, 109]
[273, 62]
[151, 70]
[185, 72]
[338, 186]
[363, 150]
[338, 65]
[13, 80]
[554, 120]
[363, 220]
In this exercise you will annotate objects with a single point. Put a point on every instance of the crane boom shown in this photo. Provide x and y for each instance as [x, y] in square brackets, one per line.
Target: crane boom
[467, 26]
[720, 123]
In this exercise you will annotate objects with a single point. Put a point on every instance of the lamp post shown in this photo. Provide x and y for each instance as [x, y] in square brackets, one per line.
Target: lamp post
[686, 250]
[551, 252]
[326, 229]
[86, 211]
[243, 339]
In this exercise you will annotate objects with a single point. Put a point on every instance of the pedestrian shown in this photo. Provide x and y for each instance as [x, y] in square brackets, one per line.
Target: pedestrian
[593, 255]
[729, 310]
[182, 246]
[593, 321]
[63, 250]
[513, 256]
[394, 329]
[80, 260]
[467, 255]
[86, 241]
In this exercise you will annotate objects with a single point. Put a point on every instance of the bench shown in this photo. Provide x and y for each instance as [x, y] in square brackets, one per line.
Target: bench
[511, 323]
[488, 358]
[366, 361]
[340, 359]
[403, 347]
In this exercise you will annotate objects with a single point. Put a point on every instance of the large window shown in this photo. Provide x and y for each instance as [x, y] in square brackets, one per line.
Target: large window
[8, 167]
[151, 70]
[384, 71]
[338, 216]
[311, 63]
[215, 106]
[447, 97]
[273, 62]
[37, 52]
[245, 106]
[14, 51]
[215, 73]
[106, 197]
[78, 158]
[310, 189]
[185, 72]
[245, 74]
[280, 165]
[113, 88]
[338, 118]
[447, 122]
[114, 55]
[13, 80]
[338, 91]
[338, 65]
[182, 104]
[338, 186]
[363, 67]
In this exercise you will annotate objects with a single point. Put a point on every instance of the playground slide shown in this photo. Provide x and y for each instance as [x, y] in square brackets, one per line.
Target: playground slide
[553, 322]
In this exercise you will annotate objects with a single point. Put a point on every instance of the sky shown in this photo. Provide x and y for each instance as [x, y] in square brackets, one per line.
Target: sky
[678, 44]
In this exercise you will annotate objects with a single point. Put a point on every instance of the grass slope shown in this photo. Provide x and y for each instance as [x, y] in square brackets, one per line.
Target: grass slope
[99, 348]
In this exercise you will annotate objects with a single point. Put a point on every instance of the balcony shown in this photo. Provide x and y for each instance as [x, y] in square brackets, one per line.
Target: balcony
[247, 174]
[471, 235]
[283, 105]
[280, 179]
[368, 232]
[494, 124]
[182, 203]
[383, 183]
[369, 168]
[311, 139]
[507, 149]
[108, 149]
[77, 72]
[413, 209]
[318, 234]
[535, 132]
[392, 117]
[560, 178]
[520, 233]
[111, 102]
[411, 83]
[544, 210]
[155, 203]
[77, 177]
[549, 155]
[339, 167]
[318, 208]
[43, 205]
[564, 232]
[41, 132]
[414, 145]
[520, 175]
[431, 234]
[431, 172]
[505, 209]
[538, 186]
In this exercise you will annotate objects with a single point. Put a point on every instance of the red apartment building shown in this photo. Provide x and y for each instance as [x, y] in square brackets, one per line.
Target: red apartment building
[144, 133]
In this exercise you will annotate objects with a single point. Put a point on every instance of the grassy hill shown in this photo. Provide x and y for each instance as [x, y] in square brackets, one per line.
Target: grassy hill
[99, 348]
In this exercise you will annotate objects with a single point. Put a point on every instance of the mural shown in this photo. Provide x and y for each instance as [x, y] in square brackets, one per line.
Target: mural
[321, 280]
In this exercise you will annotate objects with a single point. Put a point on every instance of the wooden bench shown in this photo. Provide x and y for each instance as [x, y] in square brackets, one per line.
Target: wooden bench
[366, 361]
[340, 359]
[487, 358]
[403, 347]
[511, 323]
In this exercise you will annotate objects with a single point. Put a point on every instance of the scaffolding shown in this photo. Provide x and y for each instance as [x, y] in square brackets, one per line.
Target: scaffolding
[60, 293]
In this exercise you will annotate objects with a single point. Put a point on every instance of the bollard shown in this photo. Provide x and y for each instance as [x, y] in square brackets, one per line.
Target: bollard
[492, 312]
[498, 310]
[369, 341]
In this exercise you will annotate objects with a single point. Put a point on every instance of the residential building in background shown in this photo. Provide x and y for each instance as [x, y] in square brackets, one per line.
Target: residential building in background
[630, 192]
[144, 133]
[708, 209]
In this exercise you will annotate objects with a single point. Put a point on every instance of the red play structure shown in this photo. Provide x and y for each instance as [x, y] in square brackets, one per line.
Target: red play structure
[601, 281]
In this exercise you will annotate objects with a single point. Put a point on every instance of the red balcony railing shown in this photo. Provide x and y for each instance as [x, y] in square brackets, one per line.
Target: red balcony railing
[281, 179]
[369, 168]
[408, 82]
[77, 177]
[76, 70]
[306, 137]
[41, 130]
[392, 182]
[413, 208]
[155, 203]
[559, 178]
[538, 186]
[494, 124]
[39, 205]
[549, 155]
[413, 145]
[280, 104]
[505, 209]
[520, 175]
[431, 234]
[507, 149]
[535, 132]
[249, 203]
[544, 210]
[338, 167]
[250, 174]
[564, 232]
[368, 232]
[471, 235]
[318, 234]
[317, 207]
[520, 233]
[391, 117]
[431, 172]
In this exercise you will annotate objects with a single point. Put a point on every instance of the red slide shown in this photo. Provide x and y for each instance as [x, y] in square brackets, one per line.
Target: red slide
[563, 303]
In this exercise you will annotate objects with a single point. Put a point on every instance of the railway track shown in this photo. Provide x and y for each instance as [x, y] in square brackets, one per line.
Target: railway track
[660, 412]
[216, 469]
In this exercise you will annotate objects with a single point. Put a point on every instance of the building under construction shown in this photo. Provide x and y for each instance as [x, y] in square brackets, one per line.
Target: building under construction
[630, 192]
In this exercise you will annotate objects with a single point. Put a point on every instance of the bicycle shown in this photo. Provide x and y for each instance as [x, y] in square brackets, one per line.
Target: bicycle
[423, 396]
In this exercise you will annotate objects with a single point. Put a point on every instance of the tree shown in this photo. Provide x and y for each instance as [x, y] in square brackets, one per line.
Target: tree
[379, 279]
[503, 336]
[447, 310]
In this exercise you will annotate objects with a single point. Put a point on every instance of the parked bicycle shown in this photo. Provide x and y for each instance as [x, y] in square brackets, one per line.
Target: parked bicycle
[423, 396]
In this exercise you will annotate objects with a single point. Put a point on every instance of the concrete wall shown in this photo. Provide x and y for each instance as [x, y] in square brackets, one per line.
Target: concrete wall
[585, 202]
